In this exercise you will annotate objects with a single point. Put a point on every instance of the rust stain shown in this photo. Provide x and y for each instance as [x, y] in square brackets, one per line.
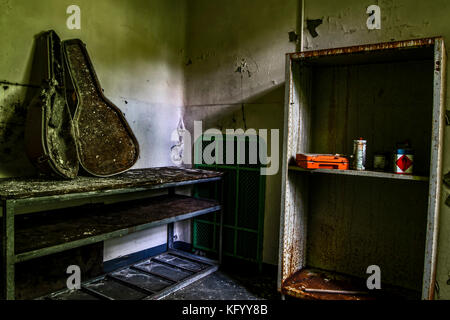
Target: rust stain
[365, 48]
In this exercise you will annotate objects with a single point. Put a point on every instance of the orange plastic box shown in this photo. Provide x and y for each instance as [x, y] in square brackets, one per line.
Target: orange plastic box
[322, 161]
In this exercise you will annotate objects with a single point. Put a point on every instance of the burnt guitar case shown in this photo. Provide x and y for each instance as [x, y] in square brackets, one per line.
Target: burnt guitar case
[49, 134]
[104, 141]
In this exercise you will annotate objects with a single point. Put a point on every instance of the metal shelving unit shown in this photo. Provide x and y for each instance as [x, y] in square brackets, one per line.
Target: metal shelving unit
[335, 224]
[66, 226]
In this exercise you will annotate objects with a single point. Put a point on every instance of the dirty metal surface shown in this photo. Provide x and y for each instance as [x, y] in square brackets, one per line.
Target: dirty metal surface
[439, 95]
[298, 284]
[19, 188]
[166, 271]
[181, 263]
[115, 290]
[106, 144]
[61, 226]
[75, 295]
[312, 284]
[293, 222]
[141, 280]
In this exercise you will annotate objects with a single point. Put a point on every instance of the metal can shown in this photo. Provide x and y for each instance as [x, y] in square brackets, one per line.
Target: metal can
[379, 162]
[359, 154]
[403, 161]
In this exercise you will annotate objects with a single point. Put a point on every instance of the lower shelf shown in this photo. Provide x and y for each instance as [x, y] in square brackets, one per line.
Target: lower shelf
[315, 284]
[151, 279]
[47, 233]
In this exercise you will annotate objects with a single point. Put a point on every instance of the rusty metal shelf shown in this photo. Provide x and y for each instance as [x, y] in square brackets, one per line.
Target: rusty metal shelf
[334, 222]
[370, 174]
[72, 213]
[53, 232]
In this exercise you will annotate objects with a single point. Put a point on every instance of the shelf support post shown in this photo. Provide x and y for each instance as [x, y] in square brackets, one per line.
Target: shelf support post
[221, 217]
[170, 226]
[8, 276]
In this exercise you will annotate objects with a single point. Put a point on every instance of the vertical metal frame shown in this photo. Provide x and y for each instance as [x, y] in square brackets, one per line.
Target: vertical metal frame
[221, 192]
[439, 87]
[8, 268]
[170, 226]
[284, 167]
[293, 223]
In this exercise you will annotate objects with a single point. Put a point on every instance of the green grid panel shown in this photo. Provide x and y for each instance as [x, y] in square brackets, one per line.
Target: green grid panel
[248, 204]
[204, 236]
[247, 244]
[228, 241]
[244, 196]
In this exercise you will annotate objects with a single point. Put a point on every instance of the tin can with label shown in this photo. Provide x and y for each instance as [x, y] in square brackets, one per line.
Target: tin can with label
[359, 154]
[403, 161]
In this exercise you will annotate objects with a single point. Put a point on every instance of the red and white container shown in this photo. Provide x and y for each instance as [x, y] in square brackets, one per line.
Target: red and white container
[403, 161]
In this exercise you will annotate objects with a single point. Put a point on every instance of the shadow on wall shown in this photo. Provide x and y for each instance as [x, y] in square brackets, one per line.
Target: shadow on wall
[14, 101]
[262, 111]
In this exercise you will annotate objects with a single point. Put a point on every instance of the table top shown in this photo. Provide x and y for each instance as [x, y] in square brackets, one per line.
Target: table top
[152, 178]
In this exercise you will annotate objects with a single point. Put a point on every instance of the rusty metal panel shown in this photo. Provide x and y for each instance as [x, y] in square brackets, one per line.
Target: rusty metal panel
[294, 191]
[311, 284]
[105, 142]
[439, 83]
[369, 48]
[359, 221]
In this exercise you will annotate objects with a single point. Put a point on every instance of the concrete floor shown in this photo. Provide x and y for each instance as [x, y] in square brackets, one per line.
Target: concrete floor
[230, 285]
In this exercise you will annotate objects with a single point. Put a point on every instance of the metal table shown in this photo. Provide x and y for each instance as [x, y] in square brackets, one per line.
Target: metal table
[47, 233]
